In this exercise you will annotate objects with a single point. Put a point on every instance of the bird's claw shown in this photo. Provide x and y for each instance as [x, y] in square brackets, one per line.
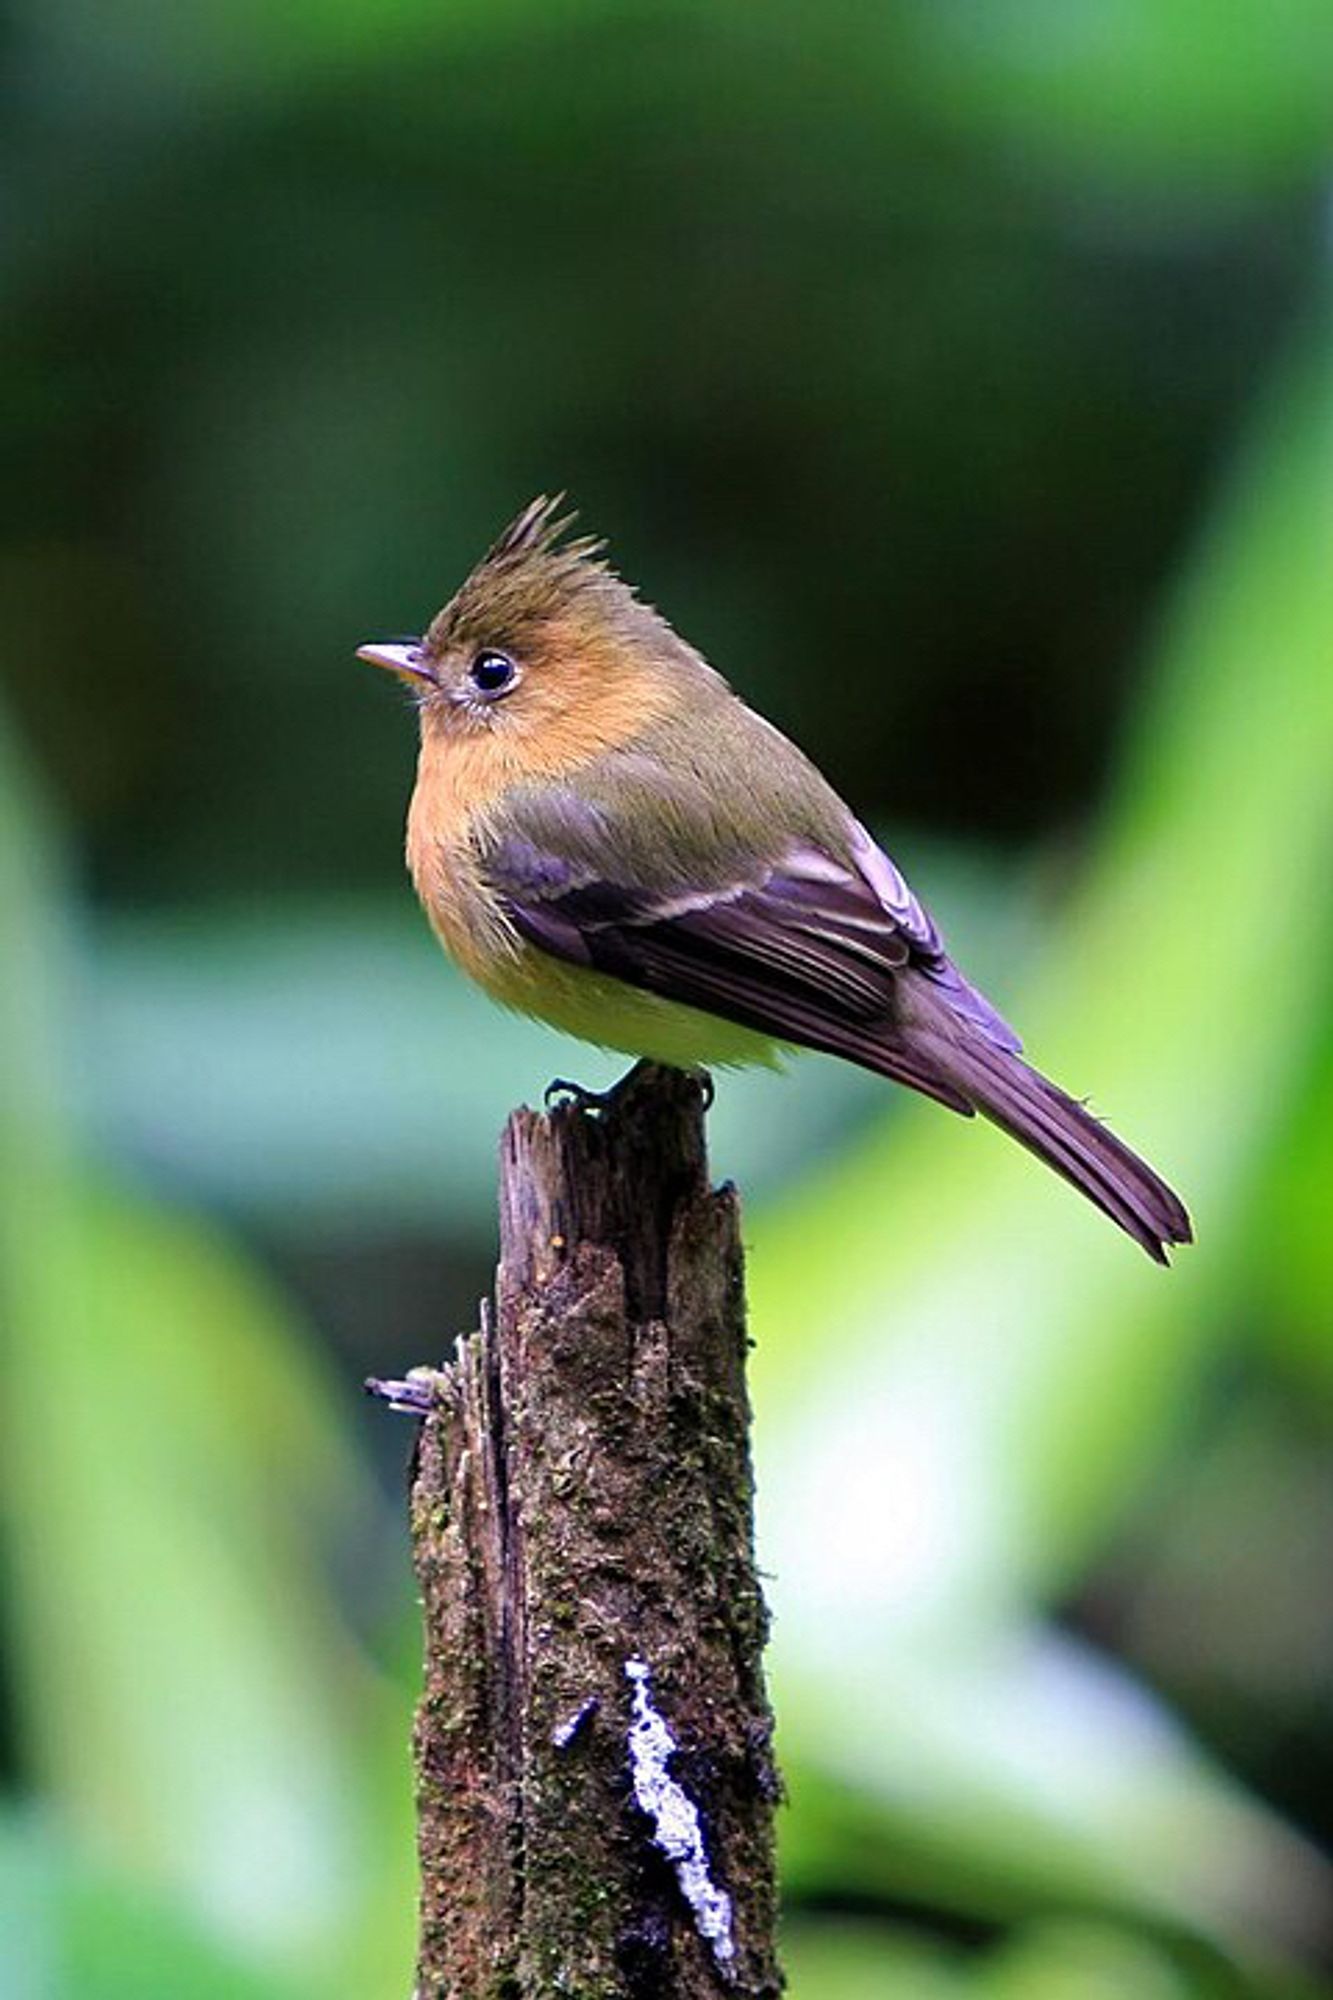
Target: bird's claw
[561, 1091]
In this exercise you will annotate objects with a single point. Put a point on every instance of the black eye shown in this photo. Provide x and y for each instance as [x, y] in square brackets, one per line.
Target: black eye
[492, 672]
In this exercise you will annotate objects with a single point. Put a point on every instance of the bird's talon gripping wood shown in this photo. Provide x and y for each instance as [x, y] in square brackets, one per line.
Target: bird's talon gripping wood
[561, 1091]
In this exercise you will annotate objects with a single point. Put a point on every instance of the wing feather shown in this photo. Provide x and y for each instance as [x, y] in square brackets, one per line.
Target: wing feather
[809, 947]
[830, 951]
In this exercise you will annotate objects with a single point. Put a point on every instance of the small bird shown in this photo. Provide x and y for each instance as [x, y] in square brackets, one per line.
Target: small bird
[603, 835]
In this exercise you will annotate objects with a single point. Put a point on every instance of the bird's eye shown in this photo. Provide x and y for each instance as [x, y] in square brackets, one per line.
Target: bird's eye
[492, 673]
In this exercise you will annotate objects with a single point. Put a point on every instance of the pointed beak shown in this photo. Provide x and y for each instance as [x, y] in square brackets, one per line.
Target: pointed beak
[404, 659]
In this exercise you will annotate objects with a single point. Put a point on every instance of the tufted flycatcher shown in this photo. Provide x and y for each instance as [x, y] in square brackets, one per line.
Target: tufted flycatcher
[603, 835]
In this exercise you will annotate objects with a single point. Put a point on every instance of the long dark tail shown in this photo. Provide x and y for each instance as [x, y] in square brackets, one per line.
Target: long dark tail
[970, 1073]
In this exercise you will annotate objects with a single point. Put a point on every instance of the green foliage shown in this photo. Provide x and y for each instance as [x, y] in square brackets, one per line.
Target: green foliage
[175, 1476]
[70, 1929]
[1002, 1384]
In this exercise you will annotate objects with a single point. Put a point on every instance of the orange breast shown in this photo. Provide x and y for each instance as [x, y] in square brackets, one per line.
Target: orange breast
[453, 785]
[461, 774]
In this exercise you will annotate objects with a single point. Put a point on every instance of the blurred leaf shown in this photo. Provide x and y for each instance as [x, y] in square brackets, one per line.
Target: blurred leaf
[846, 1960]
[172, 1461]
[1082, 1961]
[1006, 1369]
[1139, 88]
[1068, 1959]
[1221, 1590]
[1293, 1242]
[71, 1932]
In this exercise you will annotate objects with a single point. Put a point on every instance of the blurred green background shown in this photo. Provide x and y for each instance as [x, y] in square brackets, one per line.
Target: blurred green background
[960, 377]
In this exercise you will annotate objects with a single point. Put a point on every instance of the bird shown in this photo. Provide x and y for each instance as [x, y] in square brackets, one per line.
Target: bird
[605, 836]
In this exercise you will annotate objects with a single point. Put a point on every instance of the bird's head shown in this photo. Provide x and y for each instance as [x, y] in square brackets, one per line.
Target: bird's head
[542, 636]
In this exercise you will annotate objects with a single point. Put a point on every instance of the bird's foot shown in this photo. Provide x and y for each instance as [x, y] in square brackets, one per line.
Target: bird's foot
[560, 1091]
[594, 1103]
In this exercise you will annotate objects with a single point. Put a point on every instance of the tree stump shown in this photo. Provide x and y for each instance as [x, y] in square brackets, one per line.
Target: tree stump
[595, 1784]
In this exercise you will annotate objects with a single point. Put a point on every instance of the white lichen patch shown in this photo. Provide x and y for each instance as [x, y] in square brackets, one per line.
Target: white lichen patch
[564, 1732]
[677, 1832]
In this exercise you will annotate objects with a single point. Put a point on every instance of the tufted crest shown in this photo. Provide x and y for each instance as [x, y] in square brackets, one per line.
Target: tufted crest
[539, 531]
[532, 569]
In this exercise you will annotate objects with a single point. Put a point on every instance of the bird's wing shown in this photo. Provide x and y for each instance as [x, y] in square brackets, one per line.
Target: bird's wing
[830, 951]
[802, 945]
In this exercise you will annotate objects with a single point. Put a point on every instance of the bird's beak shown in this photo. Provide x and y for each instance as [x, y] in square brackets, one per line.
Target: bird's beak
[405, 659]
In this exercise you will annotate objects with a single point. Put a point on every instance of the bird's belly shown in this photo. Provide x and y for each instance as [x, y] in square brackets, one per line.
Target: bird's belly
[597, 1008]
[589, 1005]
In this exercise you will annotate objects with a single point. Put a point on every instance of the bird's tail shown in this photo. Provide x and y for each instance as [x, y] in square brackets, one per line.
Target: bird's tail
[973, 1074]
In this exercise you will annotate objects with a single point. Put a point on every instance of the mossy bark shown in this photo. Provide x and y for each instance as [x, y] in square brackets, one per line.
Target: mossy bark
[582, 1499]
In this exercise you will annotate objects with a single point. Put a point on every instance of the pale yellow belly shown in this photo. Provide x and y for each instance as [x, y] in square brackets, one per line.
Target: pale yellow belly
[611, 1015]
[589, 1005]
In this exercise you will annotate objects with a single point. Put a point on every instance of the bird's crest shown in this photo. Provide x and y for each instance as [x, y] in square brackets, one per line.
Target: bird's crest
[533, 568]
[540, 530]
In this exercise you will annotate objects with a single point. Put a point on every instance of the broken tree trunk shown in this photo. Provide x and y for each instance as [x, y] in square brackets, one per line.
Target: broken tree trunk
[595, 1786]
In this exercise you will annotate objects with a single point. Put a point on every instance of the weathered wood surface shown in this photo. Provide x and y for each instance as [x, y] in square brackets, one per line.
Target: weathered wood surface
[582, 1504]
